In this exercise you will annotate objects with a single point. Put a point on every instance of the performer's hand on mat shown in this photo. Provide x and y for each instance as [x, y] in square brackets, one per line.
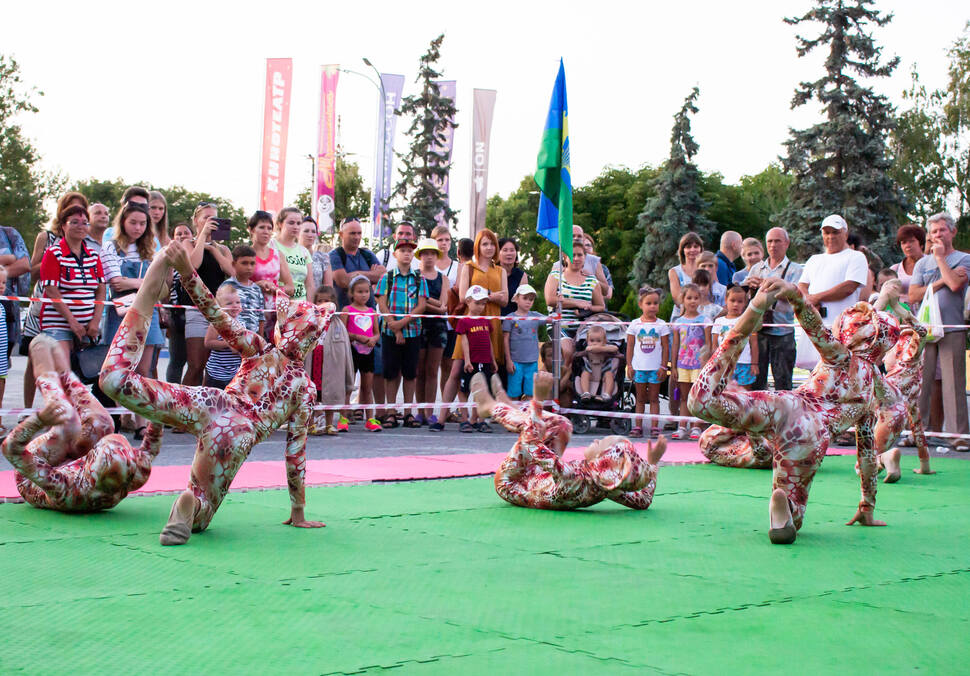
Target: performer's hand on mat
[865, 518]
[297, 521]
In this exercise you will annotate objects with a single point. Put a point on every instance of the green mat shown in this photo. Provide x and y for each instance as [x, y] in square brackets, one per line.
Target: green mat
[443, 577]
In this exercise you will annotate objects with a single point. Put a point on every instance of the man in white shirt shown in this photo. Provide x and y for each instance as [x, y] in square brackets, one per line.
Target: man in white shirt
[832, 281]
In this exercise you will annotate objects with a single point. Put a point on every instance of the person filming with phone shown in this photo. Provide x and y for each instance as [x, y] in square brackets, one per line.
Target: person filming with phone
[213, 261]
[832, 281]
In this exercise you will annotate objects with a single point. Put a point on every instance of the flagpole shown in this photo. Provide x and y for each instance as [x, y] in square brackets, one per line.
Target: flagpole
[557, 331]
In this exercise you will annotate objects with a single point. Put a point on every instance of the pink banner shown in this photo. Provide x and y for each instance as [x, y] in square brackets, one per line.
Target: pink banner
[276, 120]
[326, 165]
[483, 106]
[447, 89]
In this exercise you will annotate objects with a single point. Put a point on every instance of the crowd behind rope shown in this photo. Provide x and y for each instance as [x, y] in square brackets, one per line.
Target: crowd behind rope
[490, 322]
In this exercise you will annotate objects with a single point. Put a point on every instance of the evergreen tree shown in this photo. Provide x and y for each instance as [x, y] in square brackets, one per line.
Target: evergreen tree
[425, 166]
[676, 206]
[350, 197]
[841, 165]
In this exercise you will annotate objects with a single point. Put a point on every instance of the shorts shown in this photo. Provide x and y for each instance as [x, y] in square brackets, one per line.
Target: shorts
[378, 357]
[208, 381]
[434, 335]
[520, 382]
[400, 359]
[195, 324]
[742, 373]
[363, 363]
[450, 344]
[688, 375]
[59, 334]
[466, 377]
[649, 377]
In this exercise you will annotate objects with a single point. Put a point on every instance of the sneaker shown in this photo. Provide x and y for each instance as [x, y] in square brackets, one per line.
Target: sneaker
[586, 397]
[680, 433]
[373, 425]
[343, 425]
[695, 433]
[436, 427]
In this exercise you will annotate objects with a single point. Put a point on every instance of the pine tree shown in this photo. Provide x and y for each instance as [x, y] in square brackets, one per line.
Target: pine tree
[840, 165]
[425, 166]
[677, 206]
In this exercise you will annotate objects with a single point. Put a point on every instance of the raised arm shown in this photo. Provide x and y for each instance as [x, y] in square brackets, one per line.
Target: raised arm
[242, 341]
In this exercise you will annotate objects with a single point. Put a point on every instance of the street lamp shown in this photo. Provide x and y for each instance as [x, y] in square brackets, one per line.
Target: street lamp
[383, 141]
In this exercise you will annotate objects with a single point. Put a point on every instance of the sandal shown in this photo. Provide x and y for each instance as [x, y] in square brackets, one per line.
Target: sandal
[389, 421]
[466, 427]
[636, 432]
[484, 427]
[411, 422]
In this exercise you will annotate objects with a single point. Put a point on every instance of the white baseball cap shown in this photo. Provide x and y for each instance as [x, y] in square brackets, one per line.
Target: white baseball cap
[835, 221]
[476, 292]
[525, 289]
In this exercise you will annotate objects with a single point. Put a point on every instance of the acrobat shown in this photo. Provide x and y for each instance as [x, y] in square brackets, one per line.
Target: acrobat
[78, 464]
[534, 474]
[845, 390]
[270, 389]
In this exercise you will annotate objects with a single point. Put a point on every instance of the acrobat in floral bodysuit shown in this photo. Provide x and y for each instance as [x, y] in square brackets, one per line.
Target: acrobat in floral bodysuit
[270, 389]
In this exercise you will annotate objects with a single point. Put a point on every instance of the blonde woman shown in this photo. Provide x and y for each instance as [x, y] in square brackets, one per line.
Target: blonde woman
[296, 256]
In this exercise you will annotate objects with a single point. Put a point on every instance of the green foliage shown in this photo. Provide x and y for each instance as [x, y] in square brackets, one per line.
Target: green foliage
[181, 202]
[23, 184]
[676, 207]
[425, 167]
[350, 196]
[840, 165]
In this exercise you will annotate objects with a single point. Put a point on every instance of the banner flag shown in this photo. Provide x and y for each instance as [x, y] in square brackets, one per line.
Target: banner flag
[393, 88]
[276, 121]
[483, 107]
[326, 165]
[555, 221]
[447, 89]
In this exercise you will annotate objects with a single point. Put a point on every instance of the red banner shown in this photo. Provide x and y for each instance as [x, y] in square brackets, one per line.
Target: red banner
[276, 120]
[326, 165]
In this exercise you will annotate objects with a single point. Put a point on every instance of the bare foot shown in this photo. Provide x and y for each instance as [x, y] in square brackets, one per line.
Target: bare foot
[924, 467]
[178, 530]
[656, 450]
[890, 460]
[542, 386]
[782, 529]
[498, 391]
[478, 391]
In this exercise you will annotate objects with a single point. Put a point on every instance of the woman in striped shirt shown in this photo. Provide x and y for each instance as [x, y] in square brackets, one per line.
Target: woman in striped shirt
[69, 270]
[580, 294]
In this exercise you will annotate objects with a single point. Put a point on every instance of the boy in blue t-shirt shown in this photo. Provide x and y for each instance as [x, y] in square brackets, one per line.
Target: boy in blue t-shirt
[521, 336]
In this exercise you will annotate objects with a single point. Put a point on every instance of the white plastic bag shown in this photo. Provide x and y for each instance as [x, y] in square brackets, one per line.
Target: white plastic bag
[929, 315]
[806, 356]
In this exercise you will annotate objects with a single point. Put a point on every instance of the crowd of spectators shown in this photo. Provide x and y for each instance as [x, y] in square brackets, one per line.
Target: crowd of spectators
[392, 358]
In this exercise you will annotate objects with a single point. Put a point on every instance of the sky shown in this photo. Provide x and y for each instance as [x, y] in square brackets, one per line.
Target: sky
[172, 93]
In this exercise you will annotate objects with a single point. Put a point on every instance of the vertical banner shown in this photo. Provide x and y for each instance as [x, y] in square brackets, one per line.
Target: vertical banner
[326, 165]
[392, 87]
[483, 106]
[447, 89]
[276, 121]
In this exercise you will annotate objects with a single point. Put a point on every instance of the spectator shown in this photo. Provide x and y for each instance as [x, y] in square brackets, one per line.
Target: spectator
[69, 270]
[872, 260]
[158, 212]
[911, 239]
[708, 263]
[484, 271]
[297, 257]
[520, 331]
[751, 253]
[946, 269]
[707, 308]
[319, 253]
[361, 321]
[223, 361]
[592, 265]
[449, 268]
[99, 223]
[403, 232]
[434, 332]
[691, 340]
[251, 297]
[4, 356]
[776, 344]
[726, 255]
[451, 373]
[269, 271]
[332, 369]
[15, 259]
[588, 248]
[213, 263]
[400, 294]
[182, 234]
[49, 236]
[508, 258]
[477, 340]
[688, 251]
[832, 281]
[580, 296]
[135, 194]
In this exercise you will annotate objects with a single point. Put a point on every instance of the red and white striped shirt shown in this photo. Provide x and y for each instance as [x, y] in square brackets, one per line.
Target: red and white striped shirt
[76, 277]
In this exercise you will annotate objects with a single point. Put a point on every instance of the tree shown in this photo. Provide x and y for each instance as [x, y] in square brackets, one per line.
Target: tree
[350, 197]
[841, 165]
[23, 184]
[956, 114]
[676, 207]
[424, 168]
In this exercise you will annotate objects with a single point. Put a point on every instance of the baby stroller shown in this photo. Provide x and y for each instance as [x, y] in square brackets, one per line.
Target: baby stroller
[622, 398]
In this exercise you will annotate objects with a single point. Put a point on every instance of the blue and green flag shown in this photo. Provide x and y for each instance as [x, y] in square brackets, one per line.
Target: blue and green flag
[552, 175]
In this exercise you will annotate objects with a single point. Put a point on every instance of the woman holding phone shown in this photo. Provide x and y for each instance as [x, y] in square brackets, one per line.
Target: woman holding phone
[213, 262]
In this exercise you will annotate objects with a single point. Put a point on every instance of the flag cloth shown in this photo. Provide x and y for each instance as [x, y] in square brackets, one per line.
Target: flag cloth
[552, 175]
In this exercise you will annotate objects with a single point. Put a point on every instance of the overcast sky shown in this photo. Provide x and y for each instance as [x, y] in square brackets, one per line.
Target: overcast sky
[172, 92]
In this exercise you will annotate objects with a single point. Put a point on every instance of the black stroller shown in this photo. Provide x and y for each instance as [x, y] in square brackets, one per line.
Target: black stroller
[622, 398]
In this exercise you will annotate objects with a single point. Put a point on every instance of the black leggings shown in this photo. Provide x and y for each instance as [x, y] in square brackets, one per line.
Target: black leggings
[176, 347]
